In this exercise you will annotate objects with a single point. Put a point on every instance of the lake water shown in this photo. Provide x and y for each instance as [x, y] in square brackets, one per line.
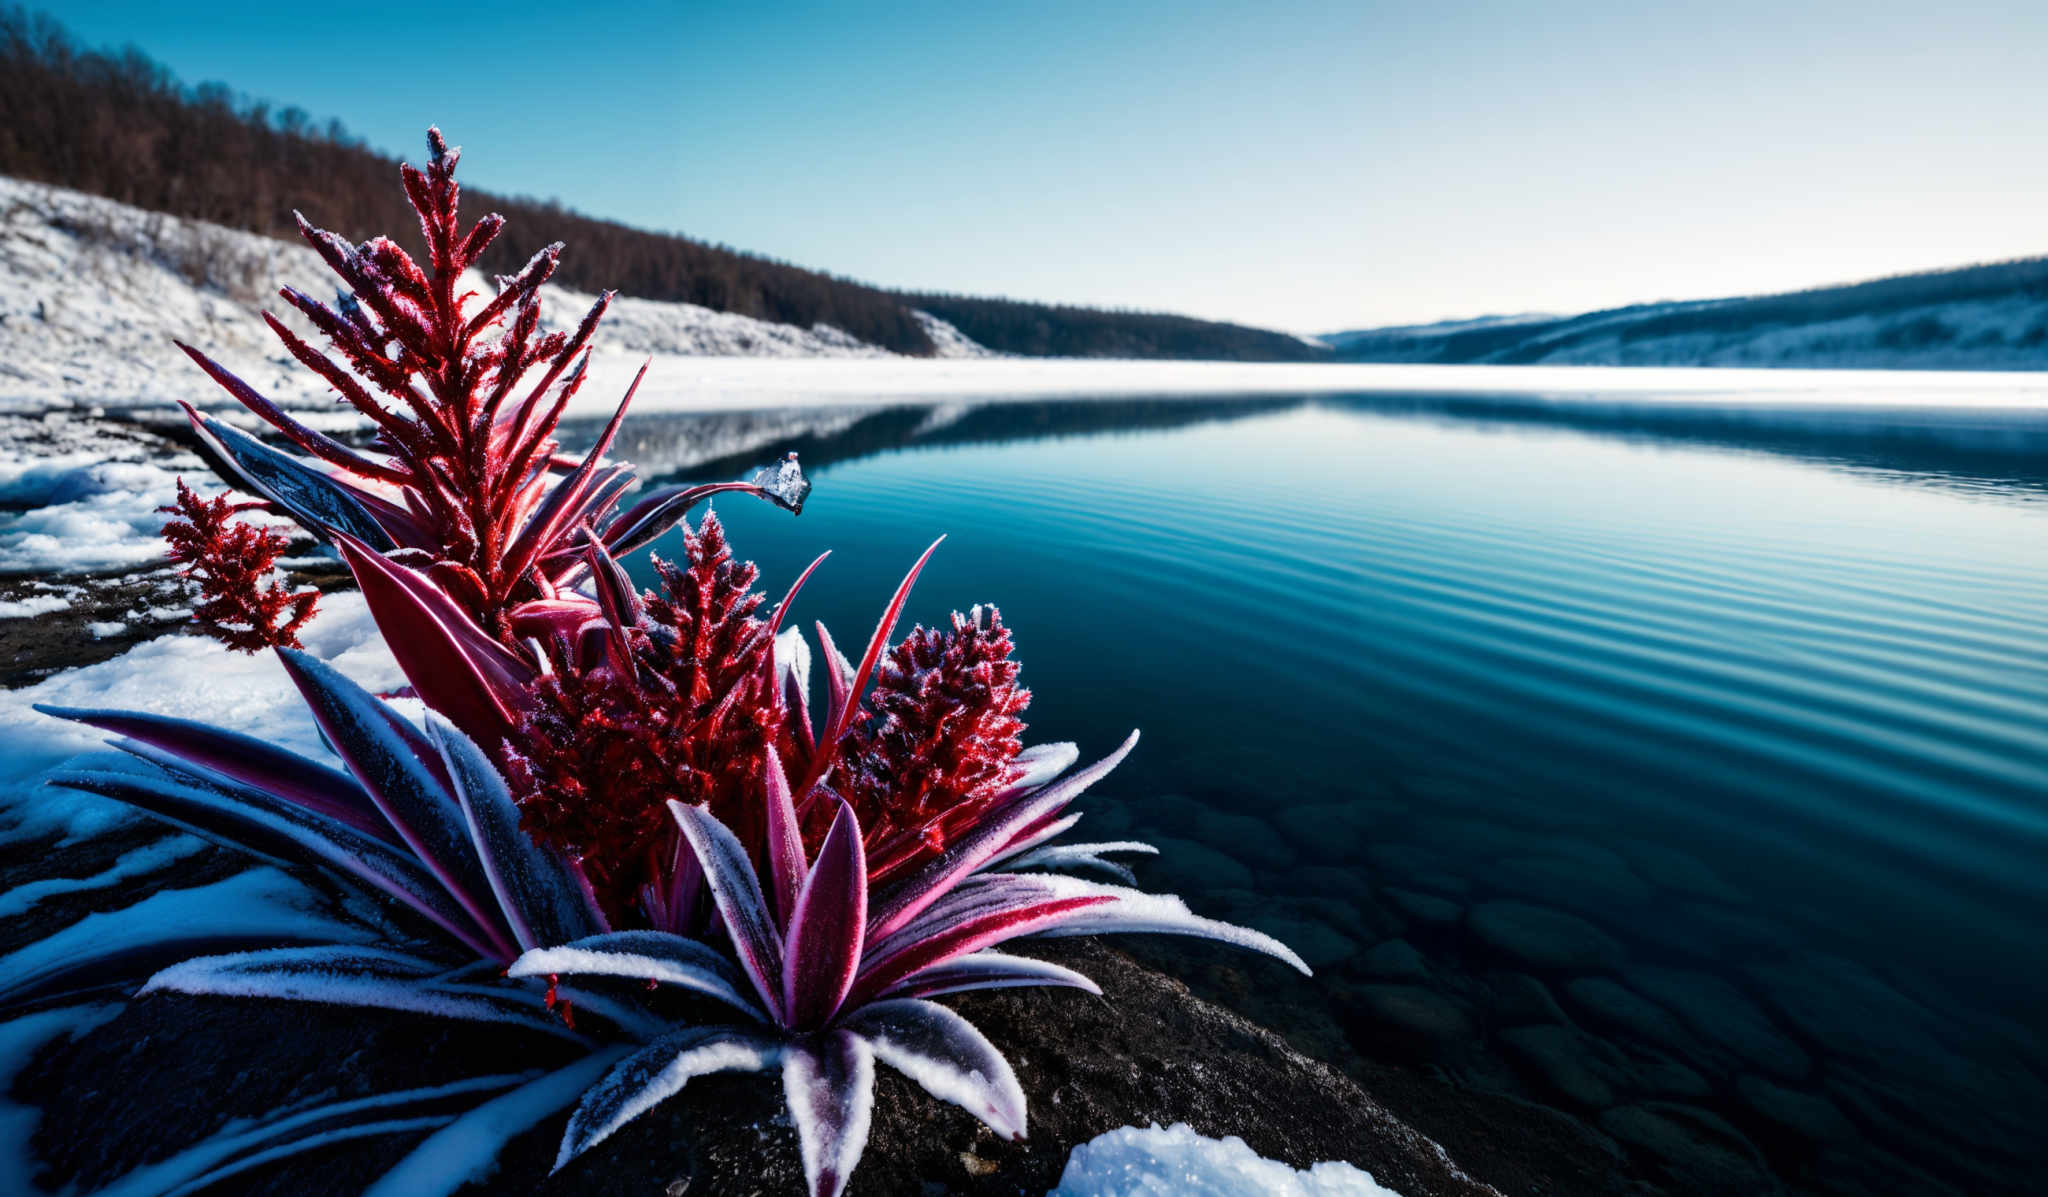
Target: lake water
[1684, 773]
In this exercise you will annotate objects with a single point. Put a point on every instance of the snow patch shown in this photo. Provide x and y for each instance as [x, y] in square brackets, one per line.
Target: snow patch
[136, 862]
[33, 605]
[183, 676]
[948, 341]
[1178, 1162]
[260, 902]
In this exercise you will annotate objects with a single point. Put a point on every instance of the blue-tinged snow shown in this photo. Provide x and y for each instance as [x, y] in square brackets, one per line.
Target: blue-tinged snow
[261, 902]
[1175, 1161]
[20, 1040]
[189, 677]
[132, 864]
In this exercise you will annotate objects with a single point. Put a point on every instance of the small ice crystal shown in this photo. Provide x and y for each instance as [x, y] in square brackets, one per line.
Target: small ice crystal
[785, 483]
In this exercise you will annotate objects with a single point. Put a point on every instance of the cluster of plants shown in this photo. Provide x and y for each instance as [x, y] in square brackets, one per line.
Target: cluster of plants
[609, 809]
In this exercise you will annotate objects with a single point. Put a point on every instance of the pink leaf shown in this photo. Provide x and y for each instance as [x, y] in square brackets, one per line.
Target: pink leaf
[827, 931]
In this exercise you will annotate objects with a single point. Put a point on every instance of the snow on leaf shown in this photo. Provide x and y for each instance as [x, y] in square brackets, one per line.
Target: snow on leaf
[943, 1052]
[353, 976]
[467, 1149]
[829, 1083]
[987, 970]
[647, 956]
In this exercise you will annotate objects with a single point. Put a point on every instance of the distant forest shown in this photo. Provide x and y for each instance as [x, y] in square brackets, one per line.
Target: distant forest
[120, 125]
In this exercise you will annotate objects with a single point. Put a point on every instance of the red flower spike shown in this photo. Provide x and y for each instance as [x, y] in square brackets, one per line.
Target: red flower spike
[232, 562]
[486, 494]
[680, 704]
[943, 737]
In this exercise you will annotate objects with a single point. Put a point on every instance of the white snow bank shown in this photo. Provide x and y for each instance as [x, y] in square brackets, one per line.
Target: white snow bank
[92, 293]
[1178, 1162]
[190, 677]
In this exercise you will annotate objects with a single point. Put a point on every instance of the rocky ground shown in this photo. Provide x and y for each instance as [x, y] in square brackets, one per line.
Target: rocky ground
[1146, 1051]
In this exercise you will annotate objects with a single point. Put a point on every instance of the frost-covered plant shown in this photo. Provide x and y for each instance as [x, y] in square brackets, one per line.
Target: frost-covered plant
[242, 605]
[828, 978]
[595, 762]
[465, 480]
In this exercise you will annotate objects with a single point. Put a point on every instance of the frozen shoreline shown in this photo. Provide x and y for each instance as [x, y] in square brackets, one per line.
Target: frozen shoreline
[677, 383]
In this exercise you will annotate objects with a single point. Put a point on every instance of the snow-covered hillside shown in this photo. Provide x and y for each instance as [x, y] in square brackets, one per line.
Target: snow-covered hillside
[1991, 317]
[92, 293]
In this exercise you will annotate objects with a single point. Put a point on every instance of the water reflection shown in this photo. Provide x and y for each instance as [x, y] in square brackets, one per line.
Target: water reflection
[1684, 773]
[1991, 453]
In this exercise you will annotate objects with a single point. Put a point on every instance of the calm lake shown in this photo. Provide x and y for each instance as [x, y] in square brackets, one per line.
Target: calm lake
[1684, 773]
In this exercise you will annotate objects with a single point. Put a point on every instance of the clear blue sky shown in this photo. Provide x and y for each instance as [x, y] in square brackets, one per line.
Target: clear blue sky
[1303, 166]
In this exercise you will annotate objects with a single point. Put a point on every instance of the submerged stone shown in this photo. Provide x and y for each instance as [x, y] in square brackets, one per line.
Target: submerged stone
[1428, 909]
[1250, 840]
[1602, 883]
[1559, 1056]
[1396, 960]
[1520, 999]
[1544, 938]
[1700, 1150]
[1421, 1012]
[1725, 1017]
[1808, 1115]
[1608, 1003]
[1195, 867]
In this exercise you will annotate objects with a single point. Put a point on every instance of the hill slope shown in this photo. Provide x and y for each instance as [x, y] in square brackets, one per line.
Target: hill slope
[1991, 317]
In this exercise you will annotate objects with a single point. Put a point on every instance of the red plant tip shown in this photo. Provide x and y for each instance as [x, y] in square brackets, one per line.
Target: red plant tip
[243, 606]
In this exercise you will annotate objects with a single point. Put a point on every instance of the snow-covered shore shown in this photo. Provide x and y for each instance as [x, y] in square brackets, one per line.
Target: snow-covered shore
[714, 383]
[93, 293]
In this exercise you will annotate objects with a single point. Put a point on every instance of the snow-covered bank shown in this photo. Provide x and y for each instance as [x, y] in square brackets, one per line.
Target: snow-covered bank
[705, 384]
[93, 292]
